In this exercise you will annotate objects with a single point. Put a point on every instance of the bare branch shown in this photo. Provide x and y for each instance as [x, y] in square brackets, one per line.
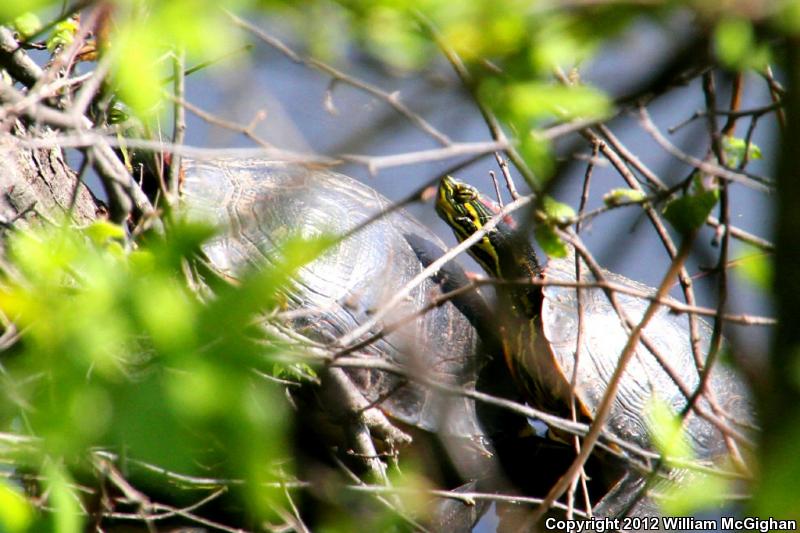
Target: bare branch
[747, 179]
[392, 99]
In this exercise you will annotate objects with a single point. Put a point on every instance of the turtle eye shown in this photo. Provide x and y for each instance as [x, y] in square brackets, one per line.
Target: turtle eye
[465, 194]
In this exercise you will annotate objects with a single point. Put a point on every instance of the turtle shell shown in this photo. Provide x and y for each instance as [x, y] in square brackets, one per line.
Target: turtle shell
[602, 341]
[258, 204]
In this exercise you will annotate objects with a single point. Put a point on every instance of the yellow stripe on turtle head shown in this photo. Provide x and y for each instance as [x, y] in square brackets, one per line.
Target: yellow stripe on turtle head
[462, 207]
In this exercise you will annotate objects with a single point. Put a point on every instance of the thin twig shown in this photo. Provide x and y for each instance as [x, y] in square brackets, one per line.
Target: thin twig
[607, 401]
[430, 270]
[512, 188]
[392, 99]
[776, 92]
[745, 178]
[178, 124]
[489, 117]
[248, 130]
[376, 163]
[90, 88]
[587, 178]
[731, 114]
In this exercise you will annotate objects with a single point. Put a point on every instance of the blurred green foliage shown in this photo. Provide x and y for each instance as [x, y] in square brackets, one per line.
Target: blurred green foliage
[16, 513]
[119, 353]
[689, 212]
[622, 196]
[511, 47]
[693, 490]
[151, 28]
[553, 214]
[27, 24]
[735, 149]
[754, 266]
[63, 34]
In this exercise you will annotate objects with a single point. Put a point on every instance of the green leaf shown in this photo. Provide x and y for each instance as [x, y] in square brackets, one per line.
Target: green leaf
[299, 372]
[550, 242]
[63, 34]
[534, 100]
[538, 153]
[16, 513]
[616, 197]
[754, 266]
[166, 312]
[118, 350]
[693, 491]
[788, 18]
[10, 9]
[103, 231]
[736, 46]
[67, 514]
[696, 491]
[27, 24]
[667, 432]
[142, 45]
[561, 42]
[690, 211]
[137, 70]
[735, 147]
[733, 40]
[556, 211]
[395, 38]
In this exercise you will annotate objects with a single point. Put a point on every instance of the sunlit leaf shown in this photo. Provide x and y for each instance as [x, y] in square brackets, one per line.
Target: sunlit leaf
[27, 24]
[736, 46]
[101, 231]
[623, 196]
[538, 153]
[394, 37]
[500, 33]
[9, 10]
[16, 514]
[166, 313]
[690, 211]
[201, 391]
[115, 343]
[551, 243]
[560, 42]
[695, 491]
[733, 40]
[558, 212]
[63, 34]
[536, 99]
[667, 432]
[138, 72]
[735, 148]
[689, 491]
[788, 17]
[67, 516]
[754, 266]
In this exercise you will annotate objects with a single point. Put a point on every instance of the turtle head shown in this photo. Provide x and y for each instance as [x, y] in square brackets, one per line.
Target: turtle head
[466, 211]
[503, 252]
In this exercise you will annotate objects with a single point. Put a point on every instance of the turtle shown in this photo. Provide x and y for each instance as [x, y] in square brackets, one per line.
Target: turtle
[260, 203]
[539, 325]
